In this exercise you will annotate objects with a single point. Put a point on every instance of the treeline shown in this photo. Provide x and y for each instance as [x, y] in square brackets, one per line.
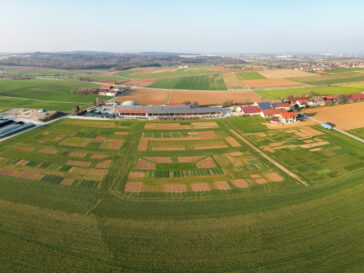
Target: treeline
[85, 91]
[15, 77]
[90, 60]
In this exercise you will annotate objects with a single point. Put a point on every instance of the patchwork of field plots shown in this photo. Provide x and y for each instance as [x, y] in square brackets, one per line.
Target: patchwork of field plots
[271, 83]
[195, 157]
[72, 153]
[331, 78]
[312, 153]
[232, 81]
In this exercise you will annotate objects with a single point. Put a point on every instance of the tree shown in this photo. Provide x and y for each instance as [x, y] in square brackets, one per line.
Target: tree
[76, 110]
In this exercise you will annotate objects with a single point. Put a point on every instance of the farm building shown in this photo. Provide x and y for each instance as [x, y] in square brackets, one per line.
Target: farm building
[356, 97]
[288, 117]
[317, 101]
[285, 106]
[8, 127]
[330, 100]
[299, 101]
[109, 91]
[326, 125]
[250, 110]
[264, 105]
[270, 113]
[131, 109]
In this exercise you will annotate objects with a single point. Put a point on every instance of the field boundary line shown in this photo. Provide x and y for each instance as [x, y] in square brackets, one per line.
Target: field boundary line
[94, 207]
[59, 101]
[271, 160]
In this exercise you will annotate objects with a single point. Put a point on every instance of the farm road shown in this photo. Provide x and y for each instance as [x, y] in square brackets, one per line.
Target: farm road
[271, 160]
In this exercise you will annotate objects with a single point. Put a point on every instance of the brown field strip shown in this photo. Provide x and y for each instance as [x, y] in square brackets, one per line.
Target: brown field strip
[98, 156]
[240, 183]
[345, 117]
[211, 147]
[24, 149]
[200, 187]
[78, 163]
[140, 83]
[215, 97]
[206, 163]
[168, 149]
[158, 159]
[188, 159]
[233, 142]
[136, 174]
[47, 151]
[274, 177]
[104, 165]
[75, 154]
[284, 73]
[144, 165]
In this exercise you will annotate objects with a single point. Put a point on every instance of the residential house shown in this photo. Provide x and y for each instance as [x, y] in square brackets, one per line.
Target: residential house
[270, 113]
[288, 117]
[250, 110]
[299, 101]
[356, 97]
[264, 105]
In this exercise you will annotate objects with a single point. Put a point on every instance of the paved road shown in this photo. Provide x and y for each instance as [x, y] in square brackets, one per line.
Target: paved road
[275, 163]
[336, 129]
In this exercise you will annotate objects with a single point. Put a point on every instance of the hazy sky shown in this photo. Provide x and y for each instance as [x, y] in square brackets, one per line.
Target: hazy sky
[206, 26]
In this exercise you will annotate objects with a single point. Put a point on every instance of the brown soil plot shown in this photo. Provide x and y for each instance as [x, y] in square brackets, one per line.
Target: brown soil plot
[67, 181]
[261, 181]
[28, 175]
[240, 183]
[271, 83]
[188, 159]
[176, 188]
[133, 187]
[75, 154]
[145, 96]
[6, 172]
[136, 175]
[233, 142]
[47, 151]
[98, 156]
[200, 187]
[168, 149]
[98, 172]
[78, 163]
[284, 73]
[211, 147]
[144, 165]
[206, 163]
[274, 177]
[232, 81]
[24, 149]
[104, 165]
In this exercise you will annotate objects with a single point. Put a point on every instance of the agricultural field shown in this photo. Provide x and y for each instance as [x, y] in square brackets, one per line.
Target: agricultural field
[321, 90]
[345, 117]
[251, 76]
[331, 78]
[206, 82]
[358, 132]
[49, 94]
[313, 154]
[105, 196]
[232, 81]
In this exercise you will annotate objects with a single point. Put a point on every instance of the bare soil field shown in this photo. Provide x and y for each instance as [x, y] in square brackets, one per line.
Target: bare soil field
[47, 151]
[24, 149]
[214, 97]
[145, 96]
[159, 159]
[233, 142]
[274, 177]
[144, 165]
[222, 185]
[98, 156]
[188, 159]
[206, 163]
[104, 165]
[75, 154]
[271, 83]
[345, 117]
[200, 187]
[78, 163]
[240, 183]
[273, 126]
[283, 73]
[153, 71]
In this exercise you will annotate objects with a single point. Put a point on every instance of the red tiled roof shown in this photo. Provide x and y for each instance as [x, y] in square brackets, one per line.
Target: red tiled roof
[271, 112]
[282, 105]
[251, 109]
[330, 97]
[128, 111]
[289, 114]
[105, 87]
[356, 97]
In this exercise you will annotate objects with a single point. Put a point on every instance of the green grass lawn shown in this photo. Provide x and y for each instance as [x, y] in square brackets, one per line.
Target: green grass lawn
[322, 90]
[206, 82]
[49, 94]
[358, 132]
[276, 227]
[250, 75]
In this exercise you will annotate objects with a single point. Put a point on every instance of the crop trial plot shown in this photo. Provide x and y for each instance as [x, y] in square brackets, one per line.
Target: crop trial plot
[70, 152]
[312, 153]
[195, 157]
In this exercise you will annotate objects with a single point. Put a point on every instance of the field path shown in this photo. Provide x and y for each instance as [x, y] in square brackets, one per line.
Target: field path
[94, 207]
[271, 160]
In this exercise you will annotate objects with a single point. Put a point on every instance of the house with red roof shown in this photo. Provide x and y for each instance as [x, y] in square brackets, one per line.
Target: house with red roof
[109, 91]
[285, 106]
[356, 97]
[250, 110]
[330, 100]
[288, 117]
[299, 101]
[271, 113]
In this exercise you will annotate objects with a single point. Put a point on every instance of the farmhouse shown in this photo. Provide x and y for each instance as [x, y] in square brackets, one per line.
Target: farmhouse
[288, 117]
[264, 105]
[285, 106]
[109, 91]
[270, 113]
[299, 101]
[330, 100]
